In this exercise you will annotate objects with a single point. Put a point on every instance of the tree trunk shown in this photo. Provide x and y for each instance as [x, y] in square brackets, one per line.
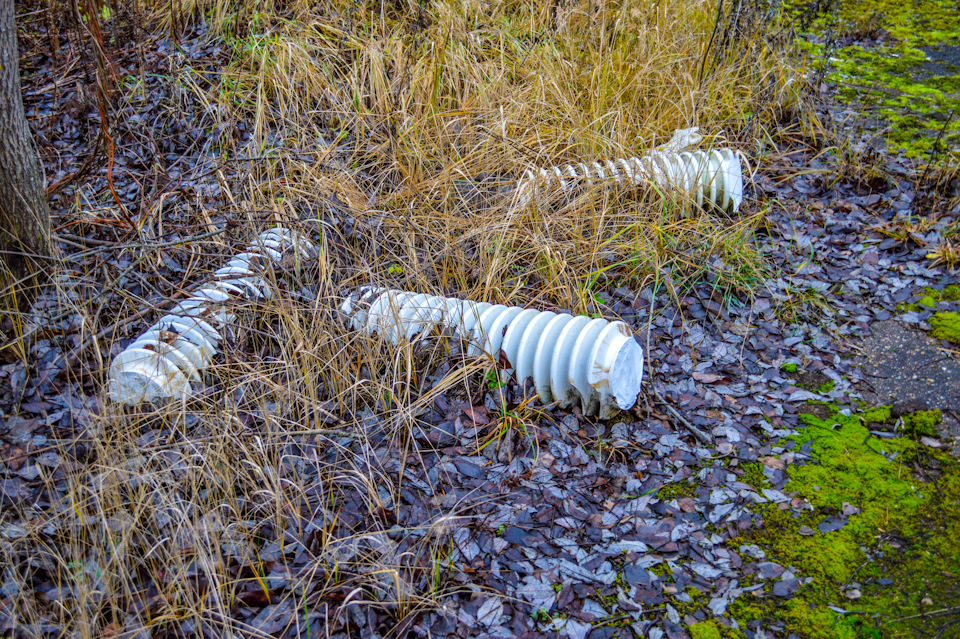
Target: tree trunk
[24, 213]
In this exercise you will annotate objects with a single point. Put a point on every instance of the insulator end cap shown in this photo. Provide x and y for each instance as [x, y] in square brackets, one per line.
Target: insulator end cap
[617, 369]
[626, 375]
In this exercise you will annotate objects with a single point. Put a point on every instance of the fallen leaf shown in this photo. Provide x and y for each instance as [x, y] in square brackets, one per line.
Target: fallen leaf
[774, 462]
[477, 414]
[709, 378]
[490, 612]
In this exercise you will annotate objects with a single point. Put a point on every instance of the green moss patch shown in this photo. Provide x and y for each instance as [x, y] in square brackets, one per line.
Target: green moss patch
[946, 326]
[898, 60]
[951, 293]
[705, 630]
[922, 423]
[676, 490]
[896, 557]
[931, 297]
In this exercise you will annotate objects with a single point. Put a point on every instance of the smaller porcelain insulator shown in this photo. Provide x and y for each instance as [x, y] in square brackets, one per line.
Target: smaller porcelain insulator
[168, 359]
[707, 177]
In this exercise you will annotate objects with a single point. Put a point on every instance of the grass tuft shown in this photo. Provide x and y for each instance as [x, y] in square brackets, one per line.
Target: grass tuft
[392, 133]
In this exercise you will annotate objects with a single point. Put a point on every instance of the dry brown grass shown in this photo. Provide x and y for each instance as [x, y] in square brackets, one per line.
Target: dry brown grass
[373, 123]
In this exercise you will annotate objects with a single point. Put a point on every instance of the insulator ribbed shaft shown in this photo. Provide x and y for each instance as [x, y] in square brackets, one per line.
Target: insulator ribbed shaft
[571, 359]
[707, 177]
[168, 359]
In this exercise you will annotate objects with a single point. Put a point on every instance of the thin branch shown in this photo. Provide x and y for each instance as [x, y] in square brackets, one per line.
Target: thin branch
[932, 613]
[118, 247]
[704, 439]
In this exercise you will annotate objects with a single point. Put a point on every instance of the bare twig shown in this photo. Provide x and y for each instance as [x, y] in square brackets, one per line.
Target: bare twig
[70, 311]
[68, 179]
[70, 359]
[703, 438]
[140, 245]
[934, 148]
[933, 613]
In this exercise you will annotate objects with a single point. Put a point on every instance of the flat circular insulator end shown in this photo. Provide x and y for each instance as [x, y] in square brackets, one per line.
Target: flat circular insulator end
[626, 374]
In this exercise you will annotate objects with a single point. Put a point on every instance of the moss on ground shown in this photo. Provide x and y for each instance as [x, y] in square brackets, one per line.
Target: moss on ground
[923, 423]
[884, 60]
[753, 475]
[931, 297]
[706, 630]
[677, 490]
[899, 550]
[946, 326]
[951, 293]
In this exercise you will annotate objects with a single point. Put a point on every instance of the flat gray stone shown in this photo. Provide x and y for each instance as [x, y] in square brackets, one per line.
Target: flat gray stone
[907, 366]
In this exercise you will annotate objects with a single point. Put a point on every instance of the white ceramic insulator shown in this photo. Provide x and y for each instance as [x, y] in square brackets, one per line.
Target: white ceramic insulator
[168, 359]
[571, 359]
[707, 177]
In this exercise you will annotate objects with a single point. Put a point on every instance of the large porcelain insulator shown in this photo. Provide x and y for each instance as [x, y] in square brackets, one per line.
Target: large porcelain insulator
[571, 359]
[168, 359]
[707, 177]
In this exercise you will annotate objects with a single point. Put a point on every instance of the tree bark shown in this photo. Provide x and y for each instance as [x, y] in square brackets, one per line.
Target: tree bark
[24, 212]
